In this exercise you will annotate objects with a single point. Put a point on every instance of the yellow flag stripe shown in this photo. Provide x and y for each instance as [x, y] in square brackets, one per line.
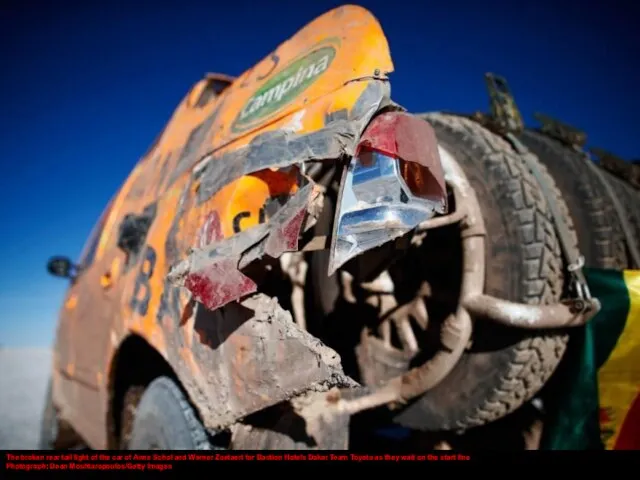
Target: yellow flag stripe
[619, 377]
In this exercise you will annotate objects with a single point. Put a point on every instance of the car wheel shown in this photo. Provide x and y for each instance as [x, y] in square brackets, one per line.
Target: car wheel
[165, 420]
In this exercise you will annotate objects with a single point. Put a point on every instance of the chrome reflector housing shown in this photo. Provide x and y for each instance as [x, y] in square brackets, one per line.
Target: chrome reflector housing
[376, 205]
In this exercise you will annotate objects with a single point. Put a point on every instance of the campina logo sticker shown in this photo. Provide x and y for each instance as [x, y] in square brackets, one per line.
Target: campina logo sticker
[286, 85]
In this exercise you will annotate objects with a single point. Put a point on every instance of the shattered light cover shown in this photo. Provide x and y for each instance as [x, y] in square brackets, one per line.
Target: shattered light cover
[393, 183]
[212, 274]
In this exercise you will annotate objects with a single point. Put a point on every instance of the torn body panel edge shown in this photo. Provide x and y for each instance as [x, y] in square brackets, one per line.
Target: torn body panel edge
[247, 353]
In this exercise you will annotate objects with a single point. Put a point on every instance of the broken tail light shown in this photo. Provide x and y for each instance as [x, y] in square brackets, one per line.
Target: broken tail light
[392, 184]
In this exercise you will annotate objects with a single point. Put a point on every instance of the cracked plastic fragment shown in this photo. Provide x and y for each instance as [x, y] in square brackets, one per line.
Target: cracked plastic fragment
[212, 274]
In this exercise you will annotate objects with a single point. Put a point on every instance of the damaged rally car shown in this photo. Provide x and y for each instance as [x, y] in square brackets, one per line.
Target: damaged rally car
[296, 248]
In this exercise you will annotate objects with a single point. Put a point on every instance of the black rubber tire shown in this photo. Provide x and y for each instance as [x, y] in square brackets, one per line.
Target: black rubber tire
[505, 366]
[165, 420]
[630, 199]
[600, 236]
[49, 422]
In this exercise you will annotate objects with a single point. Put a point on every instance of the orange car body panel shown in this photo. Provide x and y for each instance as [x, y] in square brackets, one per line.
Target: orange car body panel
[324, 68]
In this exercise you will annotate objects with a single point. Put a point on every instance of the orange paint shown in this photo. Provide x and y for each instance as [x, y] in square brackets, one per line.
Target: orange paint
[323, 69]
[71, 302]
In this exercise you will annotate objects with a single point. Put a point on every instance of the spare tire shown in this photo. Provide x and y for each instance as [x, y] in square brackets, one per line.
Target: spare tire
[600, 235]
[504, 367]
[630, 199]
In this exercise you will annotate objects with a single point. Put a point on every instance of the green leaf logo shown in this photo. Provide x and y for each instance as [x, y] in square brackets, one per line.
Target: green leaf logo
[285, 86]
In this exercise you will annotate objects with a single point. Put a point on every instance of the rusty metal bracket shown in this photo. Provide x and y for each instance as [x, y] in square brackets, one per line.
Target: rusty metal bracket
[505, 115]
[570, 313]
[443, 220]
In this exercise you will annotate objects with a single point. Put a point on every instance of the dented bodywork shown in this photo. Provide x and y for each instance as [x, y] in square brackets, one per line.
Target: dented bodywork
[221, 209]
[225, 179]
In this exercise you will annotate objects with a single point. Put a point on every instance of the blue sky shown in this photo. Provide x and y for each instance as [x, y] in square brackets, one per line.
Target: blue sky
[86, 86]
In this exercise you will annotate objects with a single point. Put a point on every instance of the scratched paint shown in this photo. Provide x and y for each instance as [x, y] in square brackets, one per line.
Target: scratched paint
[216, 378]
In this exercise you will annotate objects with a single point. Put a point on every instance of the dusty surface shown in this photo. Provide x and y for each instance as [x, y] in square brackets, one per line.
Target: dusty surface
[23, 380]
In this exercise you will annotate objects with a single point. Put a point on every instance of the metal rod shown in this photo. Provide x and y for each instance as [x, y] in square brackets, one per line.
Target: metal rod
[458, 328]
[443, 221]
[571, 314]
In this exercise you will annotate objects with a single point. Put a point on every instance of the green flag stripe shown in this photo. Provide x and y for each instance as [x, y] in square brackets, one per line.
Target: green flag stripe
[609, 287]
[571, 398]
[572, 394]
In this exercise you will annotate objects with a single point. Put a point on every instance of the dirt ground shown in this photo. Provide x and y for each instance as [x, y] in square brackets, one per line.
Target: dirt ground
[23, 380]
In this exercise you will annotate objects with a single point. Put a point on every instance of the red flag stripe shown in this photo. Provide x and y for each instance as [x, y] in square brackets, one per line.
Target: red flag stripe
[629, 437]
